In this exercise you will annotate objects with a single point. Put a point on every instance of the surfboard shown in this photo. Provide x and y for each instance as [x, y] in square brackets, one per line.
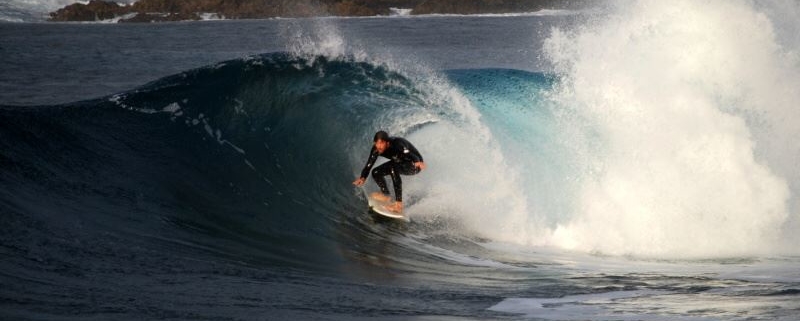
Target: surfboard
[378, 207]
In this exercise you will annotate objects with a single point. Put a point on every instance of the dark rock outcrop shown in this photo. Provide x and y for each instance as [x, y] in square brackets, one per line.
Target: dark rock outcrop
[94, 10]
[172, 10]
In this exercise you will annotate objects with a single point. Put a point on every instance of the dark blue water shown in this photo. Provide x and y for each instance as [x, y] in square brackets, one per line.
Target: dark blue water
[202, 170]
[81, 61]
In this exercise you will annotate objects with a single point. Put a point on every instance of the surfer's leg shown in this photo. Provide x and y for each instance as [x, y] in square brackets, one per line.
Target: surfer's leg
[397, 182]
[397, 169]
[379, 173]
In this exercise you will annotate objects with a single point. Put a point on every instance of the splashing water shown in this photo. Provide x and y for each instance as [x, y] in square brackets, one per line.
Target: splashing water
[687, 111]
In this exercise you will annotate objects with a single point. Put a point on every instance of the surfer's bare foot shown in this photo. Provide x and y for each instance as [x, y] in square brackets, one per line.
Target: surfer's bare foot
[380, 197]
[396, 207]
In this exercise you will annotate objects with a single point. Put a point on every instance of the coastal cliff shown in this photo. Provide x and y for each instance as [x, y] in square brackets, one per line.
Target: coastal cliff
[174, 10]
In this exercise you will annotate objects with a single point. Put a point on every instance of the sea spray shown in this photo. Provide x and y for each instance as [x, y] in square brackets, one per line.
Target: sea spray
[693, 105]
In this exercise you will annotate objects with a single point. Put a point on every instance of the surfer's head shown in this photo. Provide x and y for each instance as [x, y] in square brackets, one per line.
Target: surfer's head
[381, 141]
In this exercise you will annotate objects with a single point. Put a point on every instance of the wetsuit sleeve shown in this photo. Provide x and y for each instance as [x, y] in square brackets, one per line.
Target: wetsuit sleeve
[373, 156]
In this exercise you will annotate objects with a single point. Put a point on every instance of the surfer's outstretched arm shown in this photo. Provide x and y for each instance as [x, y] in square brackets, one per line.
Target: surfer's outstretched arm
[373, 156]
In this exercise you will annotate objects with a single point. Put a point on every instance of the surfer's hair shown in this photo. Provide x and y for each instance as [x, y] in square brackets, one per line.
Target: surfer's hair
[382, 135]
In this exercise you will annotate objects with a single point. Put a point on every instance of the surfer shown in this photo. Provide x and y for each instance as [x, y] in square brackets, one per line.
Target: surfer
[403, 159]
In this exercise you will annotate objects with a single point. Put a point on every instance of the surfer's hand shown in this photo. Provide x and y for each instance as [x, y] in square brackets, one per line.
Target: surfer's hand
[359, 181]
[420, 165]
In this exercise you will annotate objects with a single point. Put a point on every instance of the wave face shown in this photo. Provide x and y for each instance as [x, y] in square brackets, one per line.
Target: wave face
[250, 156]
[252, 160]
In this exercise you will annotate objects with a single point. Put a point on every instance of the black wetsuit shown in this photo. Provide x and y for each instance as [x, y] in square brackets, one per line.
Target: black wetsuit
[402, 156]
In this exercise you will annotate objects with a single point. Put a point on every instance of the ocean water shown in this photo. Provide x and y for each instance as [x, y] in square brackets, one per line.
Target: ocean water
[636, 161]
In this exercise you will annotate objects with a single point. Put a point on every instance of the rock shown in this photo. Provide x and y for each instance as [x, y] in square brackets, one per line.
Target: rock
[172, 10]
[93, 11]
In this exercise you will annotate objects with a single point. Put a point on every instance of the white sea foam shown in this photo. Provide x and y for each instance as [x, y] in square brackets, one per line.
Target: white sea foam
[690, 118]
[208, 16]
[737, 288]
[171, 108]
[455, 257]
[323, 38]
[118, 18]
[400, 11]
[575, 307]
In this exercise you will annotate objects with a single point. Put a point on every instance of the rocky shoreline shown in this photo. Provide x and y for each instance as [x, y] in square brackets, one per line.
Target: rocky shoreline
[179, 10]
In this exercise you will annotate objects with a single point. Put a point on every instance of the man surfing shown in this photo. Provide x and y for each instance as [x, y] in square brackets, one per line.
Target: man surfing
[404, 159]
